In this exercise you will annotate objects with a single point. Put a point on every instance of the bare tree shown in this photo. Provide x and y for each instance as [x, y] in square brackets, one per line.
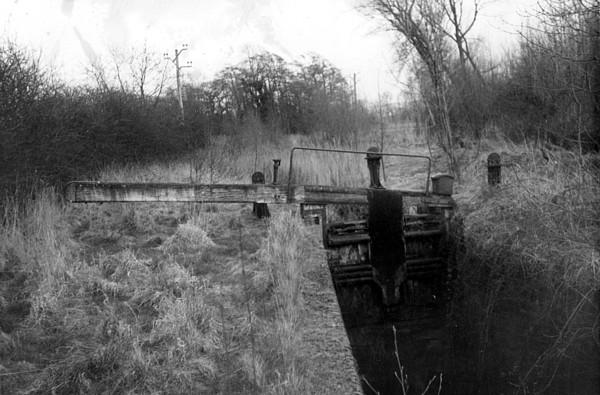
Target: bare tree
[561, 57]
[98, 72]
[455, 13]
[139, 71]
[419, 26]
[148, 71]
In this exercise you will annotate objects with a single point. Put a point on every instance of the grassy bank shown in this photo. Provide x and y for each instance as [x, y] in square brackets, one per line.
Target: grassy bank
[157, 298]
[528, 307]
[188, 298]
[150, 299]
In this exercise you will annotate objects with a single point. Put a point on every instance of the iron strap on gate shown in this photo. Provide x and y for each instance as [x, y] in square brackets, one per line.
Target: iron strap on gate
[355, 152]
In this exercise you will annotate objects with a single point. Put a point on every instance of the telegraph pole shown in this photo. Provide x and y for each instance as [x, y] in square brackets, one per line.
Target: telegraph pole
[380, 112]
[355, 110]
[175, 61]
[381, 127]
[354, 90]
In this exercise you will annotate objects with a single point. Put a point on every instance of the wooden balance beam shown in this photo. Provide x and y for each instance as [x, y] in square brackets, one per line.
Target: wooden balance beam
[106, 192]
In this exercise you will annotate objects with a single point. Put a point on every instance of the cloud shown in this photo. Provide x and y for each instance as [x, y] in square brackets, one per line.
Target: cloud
[67, 8]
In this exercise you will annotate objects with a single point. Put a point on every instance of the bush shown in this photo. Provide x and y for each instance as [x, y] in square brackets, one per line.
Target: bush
[52, 134]
[528, 310]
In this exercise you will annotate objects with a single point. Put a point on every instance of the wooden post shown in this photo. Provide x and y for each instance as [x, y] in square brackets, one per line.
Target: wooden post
[494, 169]
[374, 163]
[261, 210]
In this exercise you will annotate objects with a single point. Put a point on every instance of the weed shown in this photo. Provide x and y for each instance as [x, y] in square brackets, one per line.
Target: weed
[188, 236]
[283, 252]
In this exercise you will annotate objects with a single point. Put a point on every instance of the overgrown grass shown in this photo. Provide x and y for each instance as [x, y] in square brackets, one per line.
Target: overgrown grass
[191, 298]
[90, 305]
[283, 252]
[529, 306]
[227, 160]
[36, 244]
[107, 322]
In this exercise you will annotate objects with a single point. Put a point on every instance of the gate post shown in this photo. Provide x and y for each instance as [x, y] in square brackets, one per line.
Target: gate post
[374, 163]
[494, 169]
[260, 209]
[276, 163]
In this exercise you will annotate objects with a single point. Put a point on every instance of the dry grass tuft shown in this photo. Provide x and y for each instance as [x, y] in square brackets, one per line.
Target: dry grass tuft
[186, 326]
[109, 322]
[282, 252]
[284, 255]
[36, 244]
[187, 236]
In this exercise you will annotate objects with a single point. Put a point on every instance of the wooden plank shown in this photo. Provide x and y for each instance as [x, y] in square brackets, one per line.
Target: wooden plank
[342, 240]
[439, 201]
[423, 233]
[320, 194]
[104, 192]
[96, 192]
[352, 268]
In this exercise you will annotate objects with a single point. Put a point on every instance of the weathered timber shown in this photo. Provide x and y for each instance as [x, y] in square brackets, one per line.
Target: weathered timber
[313, 212]
[261, 210]
[353, 273]
[364, 279]
[340, 240]
[423, 261]
[434, 200]
[351, 268]
[320, 194]
[423, 233]
[104, 192]
[98, 192]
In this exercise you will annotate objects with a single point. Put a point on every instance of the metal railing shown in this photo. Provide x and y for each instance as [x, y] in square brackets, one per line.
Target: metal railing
[290, 173]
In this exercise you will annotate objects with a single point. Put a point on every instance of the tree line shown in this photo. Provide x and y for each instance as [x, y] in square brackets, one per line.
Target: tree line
[289, 98]
[52, 132]
[546, 92]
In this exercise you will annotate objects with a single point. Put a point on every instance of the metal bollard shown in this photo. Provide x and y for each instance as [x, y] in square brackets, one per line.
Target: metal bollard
[494, 169]
[261, 210]
[441, 184]
[276, 163]
[374, 163]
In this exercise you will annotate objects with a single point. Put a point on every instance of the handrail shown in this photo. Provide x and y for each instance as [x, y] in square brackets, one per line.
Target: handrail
[356, 152]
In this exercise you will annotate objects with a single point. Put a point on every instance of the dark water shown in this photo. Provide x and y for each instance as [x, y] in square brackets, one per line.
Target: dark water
[422, 356]
[386, 342]
[435, 349]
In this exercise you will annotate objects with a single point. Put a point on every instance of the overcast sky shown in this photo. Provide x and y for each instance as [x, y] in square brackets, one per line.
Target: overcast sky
[70, 33]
